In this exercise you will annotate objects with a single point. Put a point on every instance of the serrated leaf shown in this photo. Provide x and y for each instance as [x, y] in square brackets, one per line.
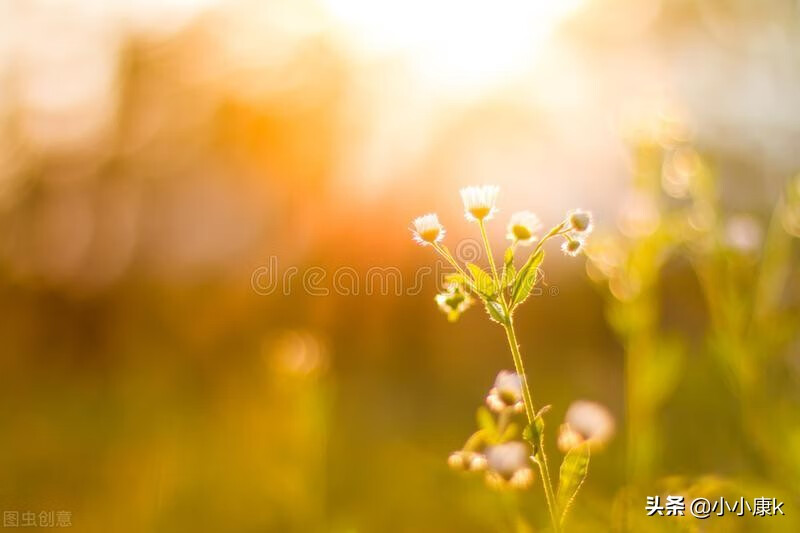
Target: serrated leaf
[496, 311]
[527, 434]
[486, 422]
[526, 279]
[509, 273]
[484, 283]
[508, 257]
[572, 474]
[534, 433]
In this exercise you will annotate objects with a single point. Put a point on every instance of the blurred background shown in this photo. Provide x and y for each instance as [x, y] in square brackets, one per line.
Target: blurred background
[172, 171]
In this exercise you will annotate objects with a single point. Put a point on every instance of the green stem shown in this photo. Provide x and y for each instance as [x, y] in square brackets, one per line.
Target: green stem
[489, 251]
[445, 253]
[560, 229]
[544, 470]
[557, 230]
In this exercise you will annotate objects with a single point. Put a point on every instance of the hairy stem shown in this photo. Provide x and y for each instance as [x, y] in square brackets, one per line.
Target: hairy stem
[544, 469]
[489, 251]
[445, 253]
[557, 230]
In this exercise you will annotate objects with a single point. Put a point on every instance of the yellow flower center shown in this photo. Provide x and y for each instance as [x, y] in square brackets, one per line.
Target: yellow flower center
[429, 235]
[521, 233]
[480, 212]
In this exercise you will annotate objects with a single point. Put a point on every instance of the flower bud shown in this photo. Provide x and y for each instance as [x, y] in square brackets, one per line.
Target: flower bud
[506, 393]
[456, 461]
[506, 459]
[591, 421]
[477, 462]
[572, 246]
[580, 221]
[509, 466]
[568, 438]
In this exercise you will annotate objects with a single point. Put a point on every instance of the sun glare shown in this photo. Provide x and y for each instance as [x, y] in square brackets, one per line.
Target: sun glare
[454, 44]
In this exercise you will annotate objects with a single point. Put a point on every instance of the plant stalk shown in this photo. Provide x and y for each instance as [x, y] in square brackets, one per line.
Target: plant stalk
[488, 248]
[544, 470]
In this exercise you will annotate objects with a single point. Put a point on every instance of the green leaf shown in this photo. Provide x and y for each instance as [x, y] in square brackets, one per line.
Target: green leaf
[573, 472]
[484, 283]
[496, 311]
[534, 433]
[526, 279]
[508, 257]
[528, 435]
[486, 423]
[509, 273]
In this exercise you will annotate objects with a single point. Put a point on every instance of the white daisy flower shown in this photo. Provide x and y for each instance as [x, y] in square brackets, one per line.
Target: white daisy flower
[591, 421]
[509, 465]
[479, 202]
[506, 393]
[427, 229]
[568, 438]
[580, 220]
[572, 246]
[522, 227]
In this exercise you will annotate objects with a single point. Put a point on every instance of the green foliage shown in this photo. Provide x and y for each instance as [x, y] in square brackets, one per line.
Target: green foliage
[509, 272]
[509, 275]
[486, 423]
[484, 283]
[526, 279]
[573, 472]
[534, 433]
[496, 311]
